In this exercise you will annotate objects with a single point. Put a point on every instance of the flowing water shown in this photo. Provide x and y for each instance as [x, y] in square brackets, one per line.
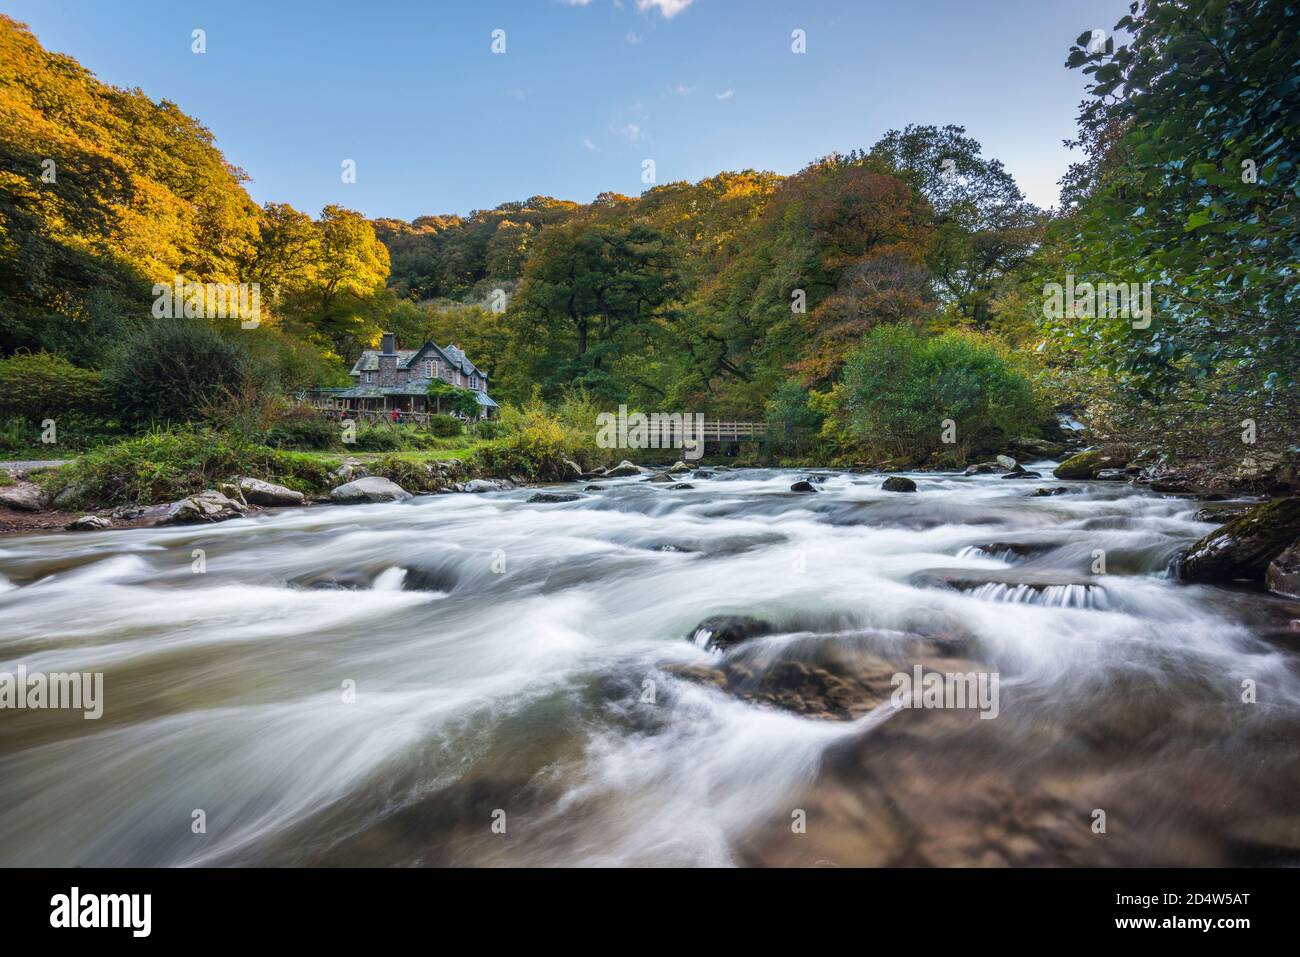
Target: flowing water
[471, 680]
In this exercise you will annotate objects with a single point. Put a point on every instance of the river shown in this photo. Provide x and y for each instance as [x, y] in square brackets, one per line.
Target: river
[475, 680]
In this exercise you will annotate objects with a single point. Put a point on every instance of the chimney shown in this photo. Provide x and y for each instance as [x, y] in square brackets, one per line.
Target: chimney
[390, 343]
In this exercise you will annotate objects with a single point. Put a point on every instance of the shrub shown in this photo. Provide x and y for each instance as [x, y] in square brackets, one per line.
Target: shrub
[446, 426]
[41, 385]
[901, 386]
[301, 427]
[377, 438]
[171, 371]
[487, 429]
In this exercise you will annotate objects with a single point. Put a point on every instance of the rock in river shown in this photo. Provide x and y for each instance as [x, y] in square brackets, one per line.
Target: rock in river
[1087, 464]
[1244, 547]
[803, 486]
[898, 483]
[720, 632]
[1283, 573]
[548, 498]
[366, 490]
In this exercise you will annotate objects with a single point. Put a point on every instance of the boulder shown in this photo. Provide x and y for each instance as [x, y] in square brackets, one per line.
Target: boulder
[1218, 514]
[678, 467]
[661, 477]
[571, 470]
[720, 632]
[548, 498]
[23, 498]
[1283, 573]
[68, 496]
[1022, 474]
[1059, 490]
[702, 474]
[803, 485]
[1244, 547]
[366, 490]
[898, 483]
[983, 468]
[1087, 464]
[268, 493]
[488, 485]
[88, 523]
[622, 470]
[349, 470]
[679, 486]
[594, 488]
[1027, 449]
[207, 506]
[1007, 462]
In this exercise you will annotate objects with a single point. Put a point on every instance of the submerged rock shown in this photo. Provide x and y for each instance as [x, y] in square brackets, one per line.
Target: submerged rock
[366, 490]
[720, 632]
[803, 688]
[1283, 573]
[803, 486]
[1022, 474]
[983, 468]
[1243, 548]
[898, 483]
[548, 498]
[1059, 490]
[594, 488]
[268, 493]
[661, 477]
[680, 486]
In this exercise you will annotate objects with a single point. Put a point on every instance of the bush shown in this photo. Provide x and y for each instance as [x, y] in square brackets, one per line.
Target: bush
[173, 371]
[487, 429]
[43, 385]
[901, 387]
[301, 427]
[163, 466]
[378, 438]
[446, 426]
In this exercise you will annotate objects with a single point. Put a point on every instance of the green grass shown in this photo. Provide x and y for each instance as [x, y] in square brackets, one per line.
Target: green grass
[334, 459]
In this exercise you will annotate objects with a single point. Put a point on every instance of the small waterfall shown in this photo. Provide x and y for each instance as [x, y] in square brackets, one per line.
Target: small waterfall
[1049, 596]
[1007, 555]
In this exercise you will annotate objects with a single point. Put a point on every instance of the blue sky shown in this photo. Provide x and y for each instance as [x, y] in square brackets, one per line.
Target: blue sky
[585, 91]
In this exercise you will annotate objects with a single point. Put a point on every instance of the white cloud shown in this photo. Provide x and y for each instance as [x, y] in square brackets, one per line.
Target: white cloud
[669, 8]
[591, 146]
[725, 95]
[681, 89]
[575, 3]
[629, 131]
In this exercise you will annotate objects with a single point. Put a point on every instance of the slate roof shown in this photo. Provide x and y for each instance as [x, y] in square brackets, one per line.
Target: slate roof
[369, 360]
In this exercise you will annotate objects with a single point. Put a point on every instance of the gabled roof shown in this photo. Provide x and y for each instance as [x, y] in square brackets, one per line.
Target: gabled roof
[407, 358]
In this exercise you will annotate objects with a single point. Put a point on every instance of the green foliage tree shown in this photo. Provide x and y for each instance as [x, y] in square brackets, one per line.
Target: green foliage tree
[901, 388]
[1190, 183]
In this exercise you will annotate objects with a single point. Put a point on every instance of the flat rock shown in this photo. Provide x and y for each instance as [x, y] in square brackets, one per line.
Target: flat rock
[549, 498]
[88, 523]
